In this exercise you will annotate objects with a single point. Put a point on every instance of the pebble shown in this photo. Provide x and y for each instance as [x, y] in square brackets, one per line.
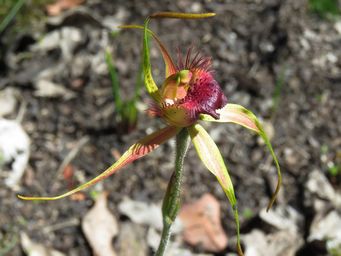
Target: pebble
[327, 229]
[131, 240]
[8, 101]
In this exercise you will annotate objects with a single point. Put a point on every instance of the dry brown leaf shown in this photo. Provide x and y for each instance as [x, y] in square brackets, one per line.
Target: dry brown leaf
[79, 196]
[68, 172]
[61, 5]
[32, 248]
[100, 227]
[202, 225]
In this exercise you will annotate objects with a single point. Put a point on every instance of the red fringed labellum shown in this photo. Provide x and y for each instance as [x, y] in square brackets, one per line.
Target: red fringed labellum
[189, 92]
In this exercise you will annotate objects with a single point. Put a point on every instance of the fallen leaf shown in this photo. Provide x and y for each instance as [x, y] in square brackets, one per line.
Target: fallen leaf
[281, 243]
[175, 250]
[131, 240]
[100, 227]
[174, 246]
[48, 89]
[62, 5]
[327, 228]
[283, 217]
[142, 213]
[67, 40]
[153, 238]
[14, 150]
[319, 191]
[35, 249]
[202, 225]
[145, 213]
[8, 101]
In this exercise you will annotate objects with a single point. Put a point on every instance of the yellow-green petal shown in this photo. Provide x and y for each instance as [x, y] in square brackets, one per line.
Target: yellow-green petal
[233, 113]
[136, 151]
[210, 155]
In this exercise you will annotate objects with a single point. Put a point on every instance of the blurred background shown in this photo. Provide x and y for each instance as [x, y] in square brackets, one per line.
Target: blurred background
[72, 101]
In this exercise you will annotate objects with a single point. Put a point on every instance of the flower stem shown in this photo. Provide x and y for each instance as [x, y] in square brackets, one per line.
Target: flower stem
[171, 201]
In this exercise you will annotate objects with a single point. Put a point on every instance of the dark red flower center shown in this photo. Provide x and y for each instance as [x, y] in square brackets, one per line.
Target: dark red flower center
[190, 92]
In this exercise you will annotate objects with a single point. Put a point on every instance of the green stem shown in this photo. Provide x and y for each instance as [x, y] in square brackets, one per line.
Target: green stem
[171, 201]
[12, 13]
[114, 82]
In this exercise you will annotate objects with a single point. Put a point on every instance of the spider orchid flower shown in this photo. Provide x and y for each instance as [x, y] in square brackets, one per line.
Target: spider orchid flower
[189, 94]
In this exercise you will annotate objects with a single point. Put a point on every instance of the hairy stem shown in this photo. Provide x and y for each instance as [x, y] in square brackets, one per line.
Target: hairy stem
[171, 201]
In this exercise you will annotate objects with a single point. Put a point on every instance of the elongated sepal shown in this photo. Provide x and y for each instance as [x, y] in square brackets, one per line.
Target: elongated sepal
[210, 155]
[170, 67]
[233, 113]
[136, 151]
[150, 84]
[181, 15]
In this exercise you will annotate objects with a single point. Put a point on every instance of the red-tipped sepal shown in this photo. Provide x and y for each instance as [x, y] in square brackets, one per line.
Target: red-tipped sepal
[136, 151]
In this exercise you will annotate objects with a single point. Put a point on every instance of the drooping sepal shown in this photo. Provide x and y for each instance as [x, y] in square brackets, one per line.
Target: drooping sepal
[233, 113]
[210, 155]
[170, 68]
[151, 86]
[149, 81]
[136, 151]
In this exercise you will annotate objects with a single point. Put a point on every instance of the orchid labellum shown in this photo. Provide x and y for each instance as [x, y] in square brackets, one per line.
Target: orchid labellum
[188, 95]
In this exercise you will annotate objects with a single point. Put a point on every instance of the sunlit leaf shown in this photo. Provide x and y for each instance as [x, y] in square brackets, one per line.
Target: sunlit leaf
[136, 151]
[212, 159]
[233, 113]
